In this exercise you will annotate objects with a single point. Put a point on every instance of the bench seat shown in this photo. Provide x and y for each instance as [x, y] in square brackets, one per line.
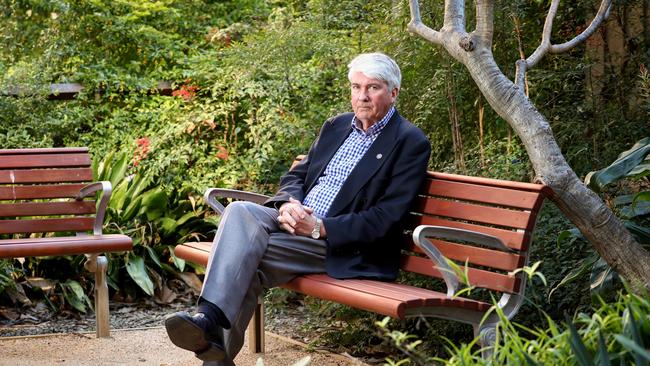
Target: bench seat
[388, 298]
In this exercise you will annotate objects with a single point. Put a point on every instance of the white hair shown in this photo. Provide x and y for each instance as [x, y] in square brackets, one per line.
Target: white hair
[377, 66]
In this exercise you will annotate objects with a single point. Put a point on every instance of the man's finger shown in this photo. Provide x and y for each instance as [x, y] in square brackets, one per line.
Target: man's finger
[287, 218]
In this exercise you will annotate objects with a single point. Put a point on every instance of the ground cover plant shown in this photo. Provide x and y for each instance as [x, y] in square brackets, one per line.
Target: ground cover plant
[254, 80]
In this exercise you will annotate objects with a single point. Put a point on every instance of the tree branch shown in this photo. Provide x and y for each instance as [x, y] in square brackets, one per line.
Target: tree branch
[546, 46]
[485, 21]
[542, 49]
[603, 13]
[416, 26]
[454, 15]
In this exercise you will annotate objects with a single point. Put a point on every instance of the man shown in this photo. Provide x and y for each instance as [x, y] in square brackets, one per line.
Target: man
[338, 211]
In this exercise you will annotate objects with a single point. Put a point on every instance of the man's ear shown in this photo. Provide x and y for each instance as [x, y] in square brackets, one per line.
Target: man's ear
[394, 93]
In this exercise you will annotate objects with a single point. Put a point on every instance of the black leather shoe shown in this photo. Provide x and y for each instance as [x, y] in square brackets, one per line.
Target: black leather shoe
[192, 333]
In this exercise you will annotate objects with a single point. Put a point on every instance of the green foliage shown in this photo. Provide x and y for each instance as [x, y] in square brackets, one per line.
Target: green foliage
[74, 295]
[631, 165]
[154, 218]
[6, 275]
[615, 333]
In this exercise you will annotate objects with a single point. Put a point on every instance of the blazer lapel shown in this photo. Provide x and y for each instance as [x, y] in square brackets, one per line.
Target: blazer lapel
[328, 146]
[368, 165]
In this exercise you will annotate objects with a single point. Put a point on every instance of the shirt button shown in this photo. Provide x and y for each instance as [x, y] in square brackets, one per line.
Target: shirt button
[379, 156]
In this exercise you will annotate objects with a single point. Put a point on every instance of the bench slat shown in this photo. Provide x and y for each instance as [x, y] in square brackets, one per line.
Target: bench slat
[517, 240]
[47, 225]
[477, 277]
[44, 161]
[532, 187]
[476, 255]
[46, 150]
[477, 213]
[480, 193]
[310, 285]
[201, 245]
[47, 208]
[385, 298]
[28, 247]
[193, 255]
[46, 175]
[40, 191]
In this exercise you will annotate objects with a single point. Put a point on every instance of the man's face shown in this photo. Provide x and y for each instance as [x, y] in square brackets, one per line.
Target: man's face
[370, 98]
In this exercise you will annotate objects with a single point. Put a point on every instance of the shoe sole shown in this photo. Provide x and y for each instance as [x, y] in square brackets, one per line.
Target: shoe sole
[185, 334]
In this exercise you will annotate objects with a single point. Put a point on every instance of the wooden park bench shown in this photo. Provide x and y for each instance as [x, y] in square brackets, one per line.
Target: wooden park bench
[485, 223]
[47, 208]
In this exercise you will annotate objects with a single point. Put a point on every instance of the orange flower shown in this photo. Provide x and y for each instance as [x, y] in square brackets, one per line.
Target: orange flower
[222, 154]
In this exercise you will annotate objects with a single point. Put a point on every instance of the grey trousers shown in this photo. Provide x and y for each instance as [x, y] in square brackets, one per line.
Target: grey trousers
[250, 253]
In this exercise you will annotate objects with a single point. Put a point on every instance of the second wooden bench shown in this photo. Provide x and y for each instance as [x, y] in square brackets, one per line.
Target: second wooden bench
[48, 208]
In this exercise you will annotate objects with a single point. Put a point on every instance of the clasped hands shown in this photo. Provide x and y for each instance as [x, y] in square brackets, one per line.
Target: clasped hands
[296, 219]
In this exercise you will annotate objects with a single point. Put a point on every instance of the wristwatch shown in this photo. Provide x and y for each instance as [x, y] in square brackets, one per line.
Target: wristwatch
[315, 234]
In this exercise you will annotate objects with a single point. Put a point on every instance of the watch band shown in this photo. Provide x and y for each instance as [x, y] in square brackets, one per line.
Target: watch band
[315, 233]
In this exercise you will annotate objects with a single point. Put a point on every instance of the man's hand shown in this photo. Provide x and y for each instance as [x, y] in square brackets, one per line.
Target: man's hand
[295, 218]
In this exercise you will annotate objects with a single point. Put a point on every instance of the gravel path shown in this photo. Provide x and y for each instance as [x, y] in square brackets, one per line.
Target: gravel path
[37, 337]
[144, 347]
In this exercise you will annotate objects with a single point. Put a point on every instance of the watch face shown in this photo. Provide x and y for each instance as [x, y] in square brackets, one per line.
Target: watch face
[315, 235]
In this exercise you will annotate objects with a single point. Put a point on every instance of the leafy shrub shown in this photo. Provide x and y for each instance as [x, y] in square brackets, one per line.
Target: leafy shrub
[617, 332]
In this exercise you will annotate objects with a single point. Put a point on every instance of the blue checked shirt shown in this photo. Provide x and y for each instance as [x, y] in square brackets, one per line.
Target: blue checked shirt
[356, 145]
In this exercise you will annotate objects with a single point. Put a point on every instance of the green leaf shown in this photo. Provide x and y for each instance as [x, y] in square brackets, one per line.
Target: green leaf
[74, 295]
[138, 272]
[602, 278]
[578, 347]
[132, 209]
[639, 352]
[118, 170]
[602, 358]
[529, 360]
[640, 233]
[185, 217]
[168, 225]
[180, 263]
[626, 162]
[575, 273]
[153, 255]
[154, 203]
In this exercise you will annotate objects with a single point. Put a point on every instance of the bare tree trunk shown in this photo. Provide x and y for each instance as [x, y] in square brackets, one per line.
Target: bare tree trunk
[581, 205]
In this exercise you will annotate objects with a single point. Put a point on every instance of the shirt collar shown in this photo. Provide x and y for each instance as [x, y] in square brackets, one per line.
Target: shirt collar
[377, 127]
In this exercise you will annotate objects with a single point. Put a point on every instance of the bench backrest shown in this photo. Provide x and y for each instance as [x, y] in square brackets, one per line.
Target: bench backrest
[37, 190]
[504, 209]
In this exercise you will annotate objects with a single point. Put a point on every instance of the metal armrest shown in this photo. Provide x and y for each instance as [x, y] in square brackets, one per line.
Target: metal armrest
[107, 189]
[421, 233]
[439, 260]
[211, 195]
[475, 237]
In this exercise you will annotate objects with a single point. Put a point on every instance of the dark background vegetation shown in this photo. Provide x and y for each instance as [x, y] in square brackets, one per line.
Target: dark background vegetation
[254, 80]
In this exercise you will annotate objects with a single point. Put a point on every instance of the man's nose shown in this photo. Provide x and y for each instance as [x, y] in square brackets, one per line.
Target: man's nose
[363, 95]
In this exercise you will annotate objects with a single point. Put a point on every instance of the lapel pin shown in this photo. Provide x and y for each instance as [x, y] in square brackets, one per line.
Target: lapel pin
[379, 156]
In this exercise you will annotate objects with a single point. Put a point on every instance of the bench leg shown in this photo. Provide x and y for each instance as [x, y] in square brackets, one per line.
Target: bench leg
[487, 338]
[256, 328]
[99, 265]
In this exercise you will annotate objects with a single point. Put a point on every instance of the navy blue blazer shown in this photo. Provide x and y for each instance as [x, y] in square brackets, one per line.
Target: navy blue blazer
[364, 221]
